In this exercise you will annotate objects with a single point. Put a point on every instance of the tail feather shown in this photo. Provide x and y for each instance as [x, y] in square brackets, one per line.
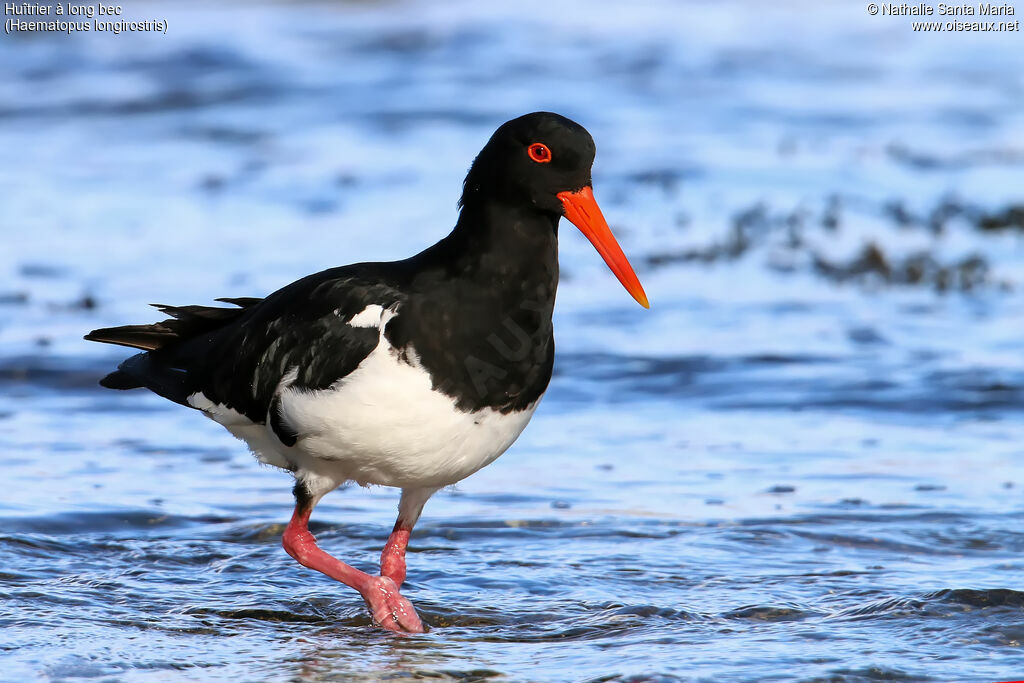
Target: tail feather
[142, 370]
[120, 380]
[240, 301]
[156, 368]
[185, 322]
[145, 337]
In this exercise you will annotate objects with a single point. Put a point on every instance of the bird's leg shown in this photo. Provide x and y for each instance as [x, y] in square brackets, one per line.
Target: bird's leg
[392, 558]
[389, 608]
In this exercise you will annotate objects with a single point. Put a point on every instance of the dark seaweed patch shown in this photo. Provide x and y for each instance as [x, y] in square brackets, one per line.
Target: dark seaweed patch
[920, 268]
[788, 234]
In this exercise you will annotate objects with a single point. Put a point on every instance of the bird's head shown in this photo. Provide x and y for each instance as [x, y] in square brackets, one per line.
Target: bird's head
[544, 160]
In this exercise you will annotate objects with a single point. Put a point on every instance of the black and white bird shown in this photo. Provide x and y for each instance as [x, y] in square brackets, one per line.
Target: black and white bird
[413, 373]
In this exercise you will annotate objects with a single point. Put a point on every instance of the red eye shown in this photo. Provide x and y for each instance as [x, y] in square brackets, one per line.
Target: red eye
[539, 152]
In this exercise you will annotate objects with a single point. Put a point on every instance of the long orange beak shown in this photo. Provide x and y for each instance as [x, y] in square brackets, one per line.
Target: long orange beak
[585, 214]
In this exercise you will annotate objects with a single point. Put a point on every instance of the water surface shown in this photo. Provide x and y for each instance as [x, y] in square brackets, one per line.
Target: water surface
[804, 463]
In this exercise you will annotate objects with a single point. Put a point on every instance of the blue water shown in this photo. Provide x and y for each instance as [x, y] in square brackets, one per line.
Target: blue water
[804, 463]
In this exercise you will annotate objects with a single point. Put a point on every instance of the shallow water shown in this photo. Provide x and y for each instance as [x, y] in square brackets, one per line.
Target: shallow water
[804, 463]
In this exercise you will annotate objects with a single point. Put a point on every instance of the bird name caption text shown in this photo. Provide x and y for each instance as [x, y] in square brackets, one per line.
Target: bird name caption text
[951, 18]
[70, 17]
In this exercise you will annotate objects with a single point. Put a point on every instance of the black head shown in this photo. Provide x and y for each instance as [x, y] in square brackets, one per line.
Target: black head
[529, 160]
[542, 162]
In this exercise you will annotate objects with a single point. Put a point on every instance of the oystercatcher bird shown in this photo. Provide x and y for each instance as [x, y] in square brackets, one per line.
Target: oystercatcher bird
[413, 373]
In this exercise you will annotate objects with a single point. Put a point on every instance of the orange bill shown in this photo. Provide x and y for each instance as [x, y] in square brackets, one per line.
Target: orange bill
[582, 210]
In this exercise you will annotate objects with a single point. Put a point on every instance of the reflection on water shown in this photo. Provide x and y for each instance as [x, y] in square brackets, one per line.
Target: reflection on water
[803, 463]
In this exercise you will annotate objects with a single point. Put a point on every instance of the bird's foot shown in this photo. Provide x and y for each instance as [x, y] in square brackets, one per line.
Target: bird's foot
[389, 608]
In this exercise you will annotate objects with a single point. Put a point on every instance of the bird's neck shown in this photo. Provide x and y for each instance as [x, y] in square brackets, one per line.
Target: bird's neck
[503, 245]
[485, 295]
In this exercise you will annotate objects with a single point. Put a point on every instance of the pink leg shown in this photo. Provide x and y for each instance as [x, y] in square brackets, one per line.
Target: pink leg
[392, 559]
[389, 608]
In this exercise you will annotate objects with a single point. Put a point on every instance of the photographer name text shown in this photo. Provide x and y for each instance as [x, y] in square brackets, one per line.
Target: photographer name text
[922, 9]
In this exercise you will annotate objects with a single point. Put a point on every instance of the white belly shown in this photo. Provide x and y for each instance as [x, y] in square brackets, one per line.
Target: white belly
[384, 424]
